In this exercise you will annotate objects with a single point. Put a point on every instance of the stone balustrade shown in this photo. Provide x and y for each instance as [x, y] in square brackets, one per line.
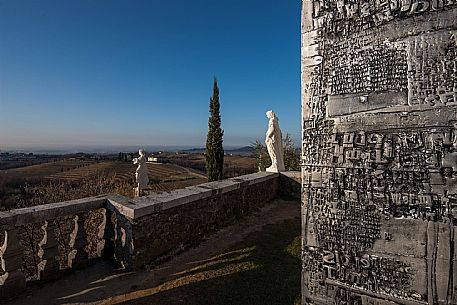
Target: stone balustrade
[35, 246]
[43, 242]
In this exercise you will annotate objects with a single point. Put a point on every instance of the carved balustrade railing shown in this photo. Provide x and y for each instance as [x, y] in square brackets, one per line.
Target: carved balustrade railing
[43, 242]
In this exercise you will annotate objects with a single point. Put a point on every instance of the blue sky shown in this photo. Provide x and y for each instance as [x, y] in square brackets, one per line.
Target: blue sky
[108, 72]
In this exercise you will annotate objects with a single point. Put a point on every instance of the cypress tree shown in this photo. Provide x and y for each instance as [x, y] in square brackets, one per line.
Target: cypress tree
[214, 152]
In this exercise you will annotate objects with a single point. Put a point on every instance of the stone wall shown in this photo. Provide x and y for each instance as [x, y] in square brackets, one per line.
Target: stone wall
[44, 242]
[379, 108]
[290, 185]
[163, 224]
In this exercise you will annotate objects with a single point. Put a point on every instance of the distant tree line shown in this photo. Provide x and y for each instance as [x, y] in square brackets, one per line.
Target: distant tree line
[126, 157]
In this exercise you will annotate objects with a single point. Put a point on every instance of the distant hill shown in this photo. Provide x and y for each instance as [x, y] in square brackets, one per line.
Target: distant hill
[194, 150]
[242, 151]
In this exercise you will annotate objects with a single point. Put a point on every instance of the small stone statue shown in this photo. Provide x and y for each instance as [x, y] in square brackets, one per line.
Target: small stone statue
[141, 173]
[273, 141]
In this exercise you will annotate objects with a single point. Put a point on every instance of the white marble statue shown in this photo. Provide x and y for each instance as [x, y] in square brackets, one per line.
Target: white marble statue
[141, 173]
[273, 141]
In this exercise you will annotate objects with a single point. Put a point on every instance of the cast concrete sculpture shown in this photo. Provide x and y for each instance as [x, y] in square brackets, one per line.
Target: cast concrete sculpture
[379, 158]
[273, 140]
[141, 173]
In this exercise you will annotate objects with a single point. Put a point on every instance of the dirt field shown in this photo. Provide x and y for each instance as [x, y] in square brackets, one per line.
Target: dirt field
[22, 163]
[233, 165]
[74, 170]
[43, 170]
[79, 177]
[19, 186]
[124, 171]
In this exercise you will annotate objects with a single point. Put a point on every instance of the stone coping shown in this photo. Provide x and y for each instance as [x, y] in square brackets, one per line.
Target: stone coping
[131, 208]
[292, 174]
[44, 212]
[155, 203]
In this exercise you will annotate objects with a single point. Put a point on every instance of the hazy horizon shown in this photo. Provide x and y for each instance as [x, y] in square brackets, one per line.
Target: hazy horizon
[113, 148]
[104, 149]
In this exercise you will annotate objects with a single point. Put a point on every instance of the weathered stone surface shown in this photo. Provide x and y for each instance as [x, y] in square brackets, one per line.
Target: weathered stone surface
[41, 213]
[184, 222]
[290, 185]
[379, 171]
[139, 207]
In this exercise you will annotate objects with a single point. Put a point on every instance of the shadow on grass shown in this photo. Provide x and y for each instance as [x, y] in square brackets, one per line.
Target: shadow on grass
[263, 269]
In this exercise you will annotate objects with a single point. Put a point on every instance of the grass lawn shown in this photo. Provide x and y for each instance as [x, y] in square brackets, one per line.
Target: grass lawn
[262, 269]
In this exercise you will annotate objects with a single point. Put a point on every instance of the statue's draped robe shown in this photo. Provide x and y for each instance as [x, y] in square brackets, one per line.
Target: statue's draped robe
[274, 145]
[141, 174]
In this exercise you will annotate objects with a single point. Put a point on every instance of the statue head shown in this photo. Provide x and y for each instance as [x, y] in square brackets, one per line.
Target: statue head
[141, 152]
[270, 114]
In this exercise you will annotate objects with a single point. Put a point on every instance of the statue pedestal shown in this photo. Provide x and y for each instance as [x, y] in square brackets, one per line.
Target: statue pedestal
[272, 170]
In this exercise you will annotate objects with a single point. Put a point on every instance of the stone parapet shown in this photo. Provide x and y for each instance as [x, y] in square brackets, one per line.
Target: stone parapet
[39, 243]
[166, 223]
[290, 185]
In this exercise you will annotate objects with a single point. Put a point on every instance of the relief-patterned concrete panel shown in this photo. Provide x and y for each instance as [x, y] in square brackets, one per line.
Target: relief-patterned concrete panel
[379, 162]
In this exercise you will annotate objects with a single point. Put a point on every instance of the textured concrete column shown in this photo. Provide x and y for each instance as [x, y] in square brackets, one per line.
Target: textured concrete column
[379, 184]
[13, 281]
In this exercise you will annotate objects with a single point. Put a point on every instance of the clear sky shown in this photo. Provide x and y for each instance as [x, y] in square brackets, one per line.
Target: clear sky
[111, 72]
